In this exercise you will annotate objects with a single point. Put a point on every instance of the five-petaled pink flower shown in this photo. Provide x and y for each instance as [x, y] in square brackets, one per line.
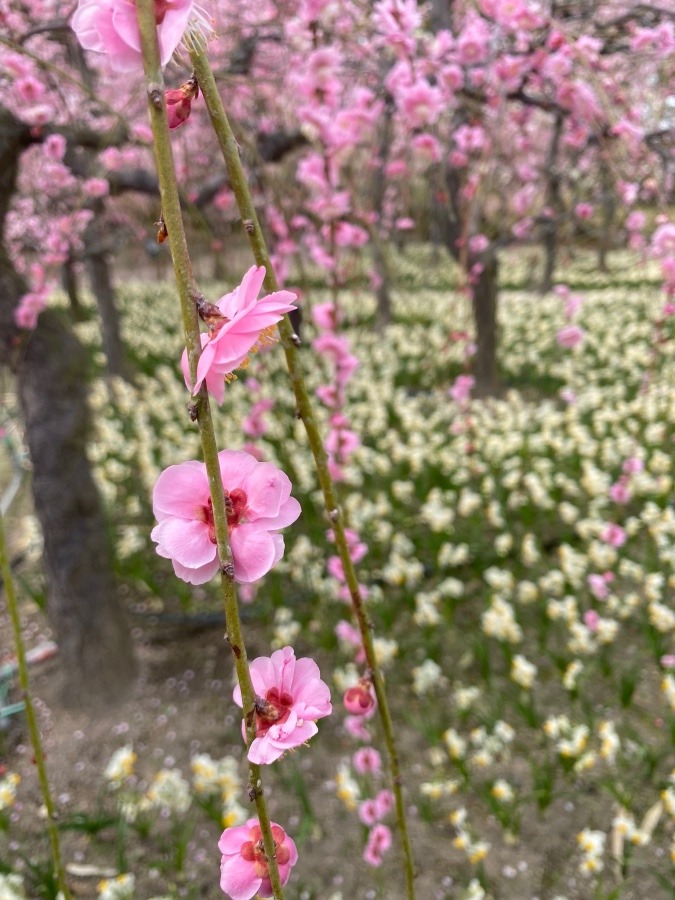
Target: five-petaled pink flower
[257, 500]
[243, 868]
[290, 698]
[111, 27]
[245, 326]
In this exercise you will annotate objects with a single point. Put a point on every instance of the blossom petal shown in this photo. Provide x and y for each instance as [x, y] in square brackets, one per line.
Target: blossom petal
[253, 551]
[204, 364]
[266, 488]
[232, 839]
[290, 511]
[180, 490]
[186, 542]
[238, 879]
[263, 752]
[196, 576]
[235, 465]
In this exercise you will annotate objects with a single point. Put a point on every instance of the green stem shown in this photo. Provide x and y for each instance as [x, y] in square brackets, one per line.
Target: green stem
[31, 718]
[200, 409]
[290, 342]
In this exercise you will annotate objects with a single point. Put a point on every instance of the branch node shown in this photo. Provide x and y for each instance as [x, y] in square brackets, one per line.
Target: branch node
[155, 95]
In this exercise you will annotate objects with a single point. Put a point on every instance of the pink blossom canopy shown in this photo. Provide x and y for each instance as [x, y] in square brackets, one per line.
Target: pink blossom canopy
[243, 868]
[245, 325]
[258, 503]
[111, 27]
[292, 697]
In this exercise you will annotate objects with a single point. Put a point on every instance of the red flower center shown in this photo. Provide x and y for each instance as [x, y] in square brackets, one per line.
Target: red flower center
[235, 507]
[274, 709]
[253, 851]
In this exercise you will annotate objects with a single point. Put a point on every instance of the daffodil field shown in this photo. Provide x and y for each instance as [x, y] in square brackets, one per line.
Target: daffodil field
[522, 604]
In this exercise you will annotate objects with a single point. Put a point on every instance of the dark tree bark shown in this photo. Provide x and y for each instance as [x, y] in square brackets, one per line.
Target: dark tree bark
[98, 269]
[554, 201]
[50, 368]
[383, 314]
[484, 299]
[608, 214]
[485, 319]
[70, 286]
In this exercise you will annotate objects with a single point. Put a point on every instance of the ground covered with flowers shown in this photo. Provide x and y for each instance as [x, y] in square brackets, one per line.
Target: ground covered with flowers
[520, 574]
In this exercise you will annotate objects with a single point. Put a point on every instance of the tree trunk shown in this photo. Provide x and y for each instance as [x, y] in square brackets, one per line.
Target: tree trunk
[608, 213]
[485, 319]
[554, 200]
[383, 313]
[50, 367]
[83, 606]
[98, 269]
[70, 286]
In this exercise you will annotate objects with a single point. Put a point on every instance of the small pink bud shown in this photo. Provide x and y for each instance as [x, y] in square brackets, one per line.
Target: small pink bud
[359, 700]
[179, 102]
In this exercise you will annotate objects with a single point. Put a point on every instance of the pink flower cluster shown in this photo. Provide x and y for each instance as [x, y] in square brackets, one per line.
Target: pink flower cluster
[290, 698]
[341, 441]
[367, 765]
[571, 335]
[258, 503]
[620, 492]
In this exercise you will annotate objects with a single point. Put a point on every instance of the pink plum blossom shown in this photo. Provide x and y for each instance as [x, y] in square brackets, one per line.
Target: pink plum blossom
[96, 187]
[243, 868]
[359, 700]
[367, 759]
[591, 620]
[245, 326]
[614, 535]
[111, 28]
[461, 389]
[633, 465]
[599, 586]
[326, 315]
[368, 812]
[354, 726]
[619, 492]
[379, 841]
[570, 336]
[55, 146]
[257, 500]
[290, 698]
[384, 802]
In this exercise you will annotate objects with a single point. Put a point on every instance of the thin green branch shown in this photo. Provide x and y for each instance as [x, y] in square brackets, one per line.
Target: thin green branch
[189, 295]
[239, 184]
[31, 718]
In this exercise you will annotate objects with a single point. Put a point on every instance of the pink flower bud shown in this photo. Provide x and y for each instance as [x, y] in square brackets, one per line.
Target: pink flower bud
[179, 102]
[359, 700]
